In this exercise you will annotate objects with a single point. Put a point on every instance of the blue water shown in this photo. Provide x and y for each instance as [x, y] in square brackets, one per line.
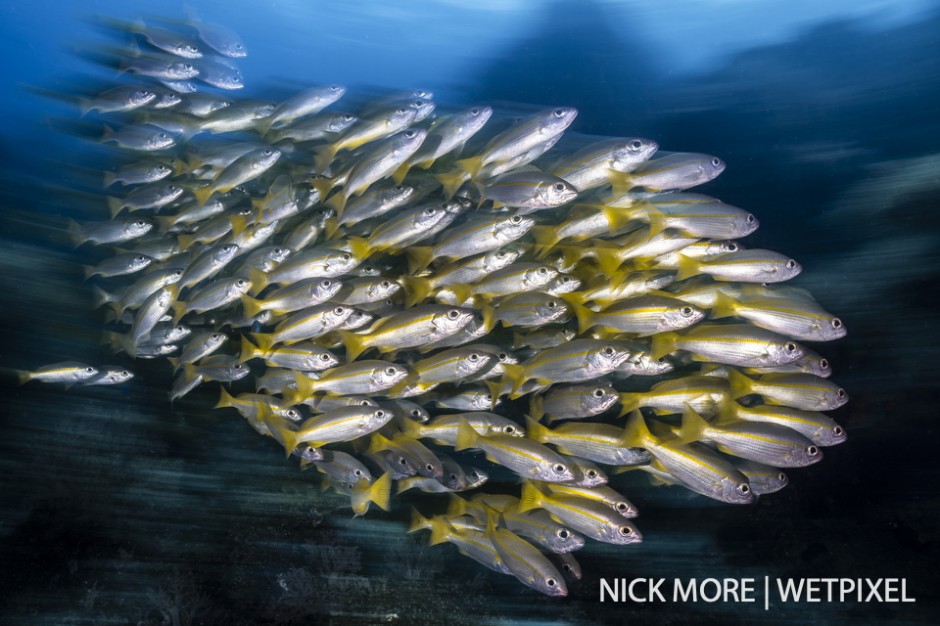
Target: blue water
[120, 508]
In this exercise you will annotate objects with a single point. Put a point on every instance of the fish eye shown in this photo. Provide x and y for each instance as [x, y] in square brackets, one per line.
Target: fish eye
[140, 223]
[812, 450]
[791, 264]
[473, 357]
[515, 219]
[402, 461]
[551, 304]
[626, 531]
[782, 477]
[453, 476]
[365, 403]
[559, 186]
[790, 346]
[125, 373]
[292, 414]
[551, 582]
[89, 370]
[543, 271]
[487, 397]
[474, 112]
[559, 468]
[609, 351]
[334, 87]
[416, 413]
[380, 414]
[502, 356]
[241, 282]
[836, 322]
[453, 314]
[732, 247]
[349, 117]
[357, 472]
[841, 393]
[162, 135]
[716, 161]
[326, 284]
[390, 371]
[339, 310]
[686, 311]
[177, 273]
[215, 337]
[636, 144]
[401, 110]
[599, 393]
[837, 431]
[324, 357]
[345, 256]
[558, 112]
[750, 218]
[140, 258]
[410, 133]
[238, 46]
[591, 473]
[622, 506]
[430, 211]
[744, 489]
[509, 429]
[429, 467]
[824, 364]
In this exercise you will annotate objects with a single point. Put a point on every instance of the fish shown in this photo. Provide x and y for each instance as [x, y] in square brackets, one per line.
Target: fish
[69, 372]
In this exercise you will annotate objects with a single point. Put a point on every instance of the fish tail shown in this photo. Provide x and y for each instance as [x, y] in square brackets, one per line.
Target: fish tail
[693, 426]
[662, 344]
[466, 437]
[377, 443]
[620, 181]
[723, 307]
[616, 218]
[379, 493]
[225, 399]
[89, 271]
[410, 428]
[451, 181]
[249, 350]
[531, 498]
[608, 259]
[250, 305]
[496, 390]
[102, 297]
[330, 227]
[322, 157]
[489, 316]
[419, 257]
[179, 310]
[264, 341]
[546, 238]
[418, 522]
[514, 375]
[456, 506]
[23, 377]
[536, 431]
[239, 224]
[440, 531]
[185, 241]
[585, 317]
[109, 177]
[636, 433]
[740, 384]
[537, 406]
[462, 292]
[688, 267]
[472, 165]
[180, 167]
[107, 134]
[657, 220]
[399, 175]
[76, 233]
[165, 222]
[114, 206]
[259, 280]
[361, 248]
[354, 344]
[628, 402]
[416, 289]
[203, 194]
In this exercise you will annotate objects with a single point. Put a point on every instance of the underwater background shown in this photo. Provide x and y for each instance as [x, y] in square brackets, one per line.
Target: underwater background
[119, 508]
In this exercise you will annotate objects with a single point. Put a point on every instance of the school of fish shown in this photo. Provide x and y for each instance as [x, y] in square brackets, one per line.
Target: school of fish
[416, 299]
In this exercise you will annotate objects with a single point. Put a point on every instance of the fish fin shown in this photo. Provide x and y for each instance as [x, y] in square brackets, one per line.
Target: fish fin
[416, 289]
[472, 165]
[361, 248]
[636, 433]
[259, 280]
[251, 306]
[203, 194]
[451, 181]
[531, 498]
[693, 426]
[225, 399]
[249, 350]
[466, 436]
[354, 344]
[114, 206]
[740, 384]
[419, 257]
[662, 344]
[535, 431]
[688, 267]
